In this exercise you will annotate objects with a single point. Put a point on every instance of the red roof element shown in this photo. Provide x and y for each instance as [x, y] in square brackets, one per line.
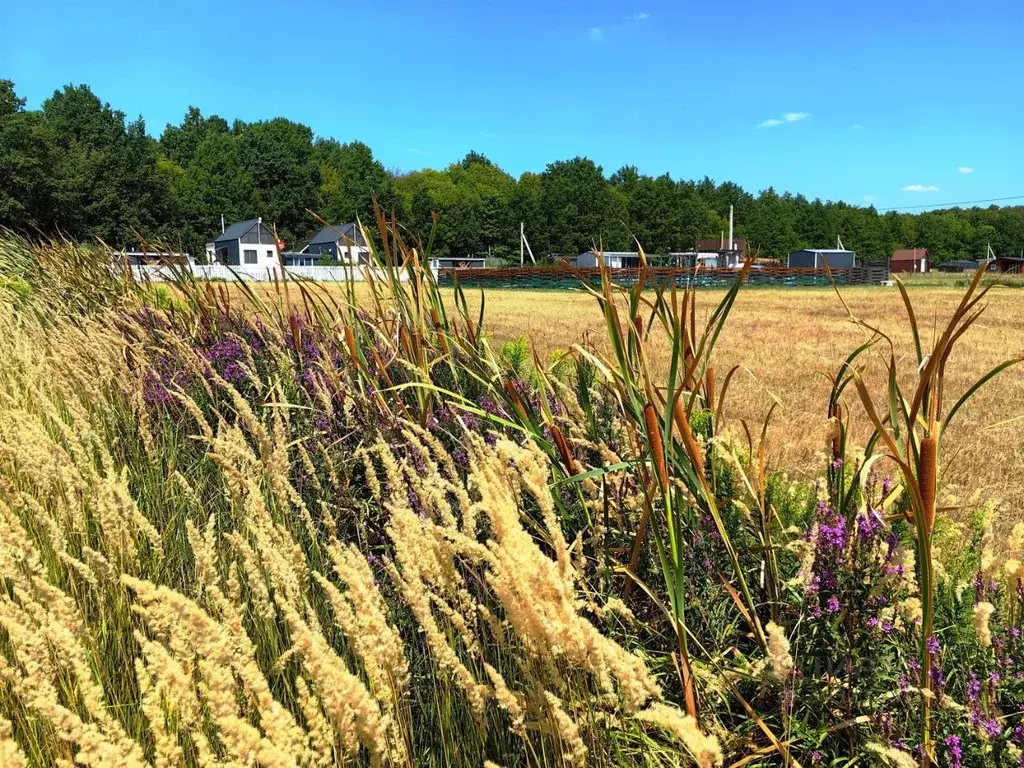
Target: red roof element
[909, 254]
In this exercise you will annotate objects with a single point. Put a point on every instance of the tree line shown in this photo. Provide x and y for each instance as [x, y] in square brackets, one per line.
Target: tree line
[78, 168]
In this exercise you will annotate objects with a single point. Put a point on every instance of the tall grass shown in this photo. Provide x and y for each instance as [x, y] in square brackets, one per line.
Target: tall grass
[287, 528]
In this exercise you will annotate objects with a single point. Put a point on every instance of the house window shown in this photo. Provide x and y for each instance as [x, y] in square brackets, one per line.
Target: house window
[250, 257]
[270, 255]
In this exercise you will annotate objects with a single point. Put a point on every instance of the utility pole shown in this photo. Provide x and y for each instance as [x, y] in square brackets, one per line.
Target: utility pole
[522, 236]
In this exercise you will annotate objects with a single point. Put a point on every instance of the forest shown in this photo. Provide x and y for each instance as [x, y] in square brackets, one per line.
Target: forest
[78, 168]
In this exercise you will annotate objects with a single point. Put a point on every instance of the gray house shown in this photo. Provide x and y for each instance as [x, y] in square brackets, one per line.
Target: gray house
[248, 243]
[815, 258]
[340, 243]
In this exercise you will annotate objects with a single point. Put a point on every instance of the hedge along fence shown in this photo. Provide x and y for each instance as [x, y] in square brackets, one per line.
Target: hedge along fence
[871, 273]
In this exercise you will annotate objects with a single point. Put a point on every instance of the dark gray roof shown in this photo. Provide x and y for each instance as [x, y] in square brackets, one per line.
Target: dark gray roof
[338, 232]
[822, 250]
[236, 230]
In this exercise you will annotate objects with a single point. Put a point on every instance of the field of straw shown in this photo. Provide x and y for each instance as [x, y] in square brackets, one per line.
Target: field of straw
[372, 525]
[789, 342]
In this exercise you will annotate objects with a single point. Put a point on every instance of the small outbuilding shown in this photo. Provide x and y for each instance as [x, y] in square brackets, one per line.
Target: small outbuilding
[910, 260]
[1008, 265]
[817, 258]
[612, 259]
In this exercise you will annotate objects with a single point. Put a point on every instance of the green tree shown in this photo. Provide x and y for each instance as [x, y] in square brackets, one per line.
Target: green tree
[350, 180]
[278, 156]
[180, 142]
[580, 209]
[26, 186]
[104, 172]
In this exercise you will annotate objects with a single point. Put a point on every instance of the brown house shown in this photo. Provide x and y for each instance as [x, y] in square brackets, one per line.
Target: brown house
[1010, 265]
[722, 244]
[910, 260]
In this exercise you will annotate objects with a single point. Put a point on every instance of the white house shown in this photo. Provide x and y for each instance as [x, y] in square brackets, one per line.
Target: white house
[612, 259]
[248, 243]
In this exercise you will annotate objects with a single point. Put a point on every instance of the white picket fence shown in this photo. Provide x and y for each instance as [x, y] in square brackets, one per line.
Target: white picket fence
[157, 273]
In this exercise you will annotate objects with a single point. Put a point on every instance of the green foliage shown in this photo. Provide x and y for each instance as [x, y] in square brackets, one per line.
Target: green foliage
[77, 167]
[515, 353]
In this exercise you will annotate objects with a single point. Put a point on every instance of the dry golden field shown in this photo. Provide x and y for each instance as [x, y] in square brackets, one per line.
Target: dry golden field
[790, 342]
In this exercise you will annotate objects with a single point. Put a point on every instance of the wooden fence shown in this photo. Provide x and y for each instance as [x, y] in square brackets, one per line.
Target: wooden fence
[871, 273]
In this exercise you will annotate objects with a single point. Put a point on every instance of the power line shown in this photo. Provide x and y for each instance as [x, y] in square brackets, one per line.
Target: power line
[950, 205]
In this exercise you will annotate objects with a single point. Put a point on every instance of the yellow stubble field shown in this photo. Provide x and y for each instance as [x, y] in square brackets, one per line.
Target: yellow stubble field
[788, 344]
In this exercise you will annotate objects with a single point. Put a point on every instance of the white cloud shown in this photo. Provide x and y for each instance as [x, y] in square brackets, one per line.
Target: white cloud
[964, 169]
[920, 188]
[788, 117]
[638, 16]
[596, 33]
[870, 198]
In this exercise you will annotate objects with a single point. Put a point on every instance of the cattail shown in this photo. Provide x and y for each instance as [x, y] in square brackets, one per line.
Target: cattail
[517, 401]
[350, 342]
[689, 442]
[836, 431]
[657, 448]
[563, 450]
[926, 480]
[439, 330]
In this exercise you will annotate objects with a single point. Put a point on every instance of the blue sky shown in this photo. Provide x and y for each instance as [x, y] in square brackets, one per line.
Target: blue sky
[901, 102]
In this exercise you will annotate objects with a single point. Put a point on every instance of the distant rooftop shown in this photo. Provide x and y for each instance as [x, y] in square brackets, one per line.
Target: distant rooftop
[236, 230]
[338, 232]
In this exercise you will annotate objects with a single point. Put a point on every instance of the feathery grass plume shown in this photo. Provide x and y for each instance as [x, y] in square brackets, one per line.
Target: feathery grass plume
[168, 752]
[574, 751]
[704, 749]
[536, 593]
[353, 712]
[363, 616]
[11, 754]
[779, 657]
[227, 666]
[982, 614]
[891, 756]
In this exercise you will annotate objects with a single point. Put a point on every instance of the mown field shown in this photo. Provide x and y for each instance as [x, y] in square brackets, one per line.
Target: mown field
[789, 342]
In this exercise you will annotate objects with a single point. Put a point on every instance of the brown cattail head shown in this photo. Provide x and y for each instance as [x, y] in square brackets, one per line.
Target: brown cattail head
[686, 435]
[563, 450]
[657, 446]
[350, 342]
[926, 480]
[405, 342]
[837, 439]
[296, 332]
[517, 401]
[709, 389]
[436, 320]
